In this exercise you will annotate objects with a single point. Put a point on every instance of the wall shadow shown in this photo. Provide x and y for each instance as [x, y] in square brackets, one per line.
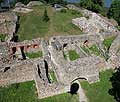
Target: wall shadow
[115, 81]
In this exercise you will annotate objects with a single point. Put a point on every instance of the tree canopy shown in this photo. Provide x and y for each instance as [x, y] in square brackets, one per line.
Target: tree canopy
[93, 5]
[114, 11]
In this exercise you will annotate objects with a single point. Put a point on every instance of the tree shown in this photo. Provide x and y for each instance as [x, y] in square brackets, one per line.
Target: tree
[1, 2]
[115, 90]
[45, 16]
[93, 5]
[114, 11]
[98, 2]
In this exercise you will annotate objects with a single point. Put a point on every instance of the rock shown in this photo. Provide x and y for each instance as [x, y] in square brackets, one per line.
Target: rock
[34, 3]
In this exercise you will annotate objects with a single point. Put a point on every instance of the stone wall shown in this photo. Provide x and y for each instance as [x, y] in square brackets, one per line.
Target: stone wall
[8, 23]
[16, 74]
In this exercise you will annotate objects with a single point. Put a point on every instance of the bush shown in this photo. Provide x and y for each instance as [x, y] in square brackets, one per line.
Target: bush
[63, 11]
[75, 12]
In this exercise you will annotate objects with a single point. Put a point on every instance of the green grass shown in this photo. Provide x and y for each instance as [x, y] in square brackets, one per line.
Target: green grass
[66, 97]
[86, 49]
[23, 92]
[2, 37]
[35, 54]
[98, 92]
[33, 26]
[52, 76]
[73, 55]
[95, 50]
[108, 41]
[26, 92]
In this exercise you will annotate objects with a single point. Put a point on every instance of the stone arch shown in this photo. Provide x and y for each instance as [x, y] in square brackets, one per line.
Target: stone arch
[83, 78]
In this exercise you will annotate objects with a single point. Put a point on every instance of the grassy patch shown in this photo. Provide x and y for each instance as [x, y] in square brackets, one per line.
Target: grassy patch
[35, 54]
[52, 76]
[26, 92]
[108, 41]
[66, 97]
[73, 55]
[98, 92]
[86, 49]
[2, 37]
[95, 50]
[22, 92]
[33, 26]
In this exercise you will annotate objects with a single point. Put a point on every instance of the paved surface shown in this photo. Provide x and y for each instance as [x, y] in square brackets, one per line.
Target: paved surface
[82, 96]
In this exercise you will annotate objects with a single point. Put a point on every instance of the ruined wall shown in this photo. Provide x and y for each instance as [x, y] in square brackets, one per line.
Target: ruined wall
[8, 23]
[92, 39]
[16, 74]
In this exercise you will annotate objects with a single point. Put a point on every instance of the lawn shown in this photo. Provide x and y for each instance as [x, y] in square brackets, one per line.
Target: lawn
[95, 50]
[73, 55]
[33, 26]
[26, 92]
[108, 41]
[98, 92]
[52, 76]
[34, 55]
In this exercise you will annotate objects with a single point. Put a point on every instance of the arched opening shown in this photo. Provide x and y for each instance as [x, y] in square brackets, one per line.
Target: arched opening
[80, 79]
[74, 88]
[86, 42]
[64, 45]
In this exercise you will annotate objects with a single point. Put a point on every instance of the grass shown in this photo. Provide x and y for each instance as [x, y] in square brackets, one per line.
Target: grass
[2, 37]
[98, 92]
[95, 50]
[108, 41]
[52, 76]
[66, 97]
[73, 55]
[35, 54]
[22, 92]
[33, 26]
[26, 92]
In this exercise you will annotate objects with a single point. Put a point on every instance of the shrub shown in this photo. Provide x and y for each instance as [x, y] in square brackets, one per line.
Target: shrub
[63, 11]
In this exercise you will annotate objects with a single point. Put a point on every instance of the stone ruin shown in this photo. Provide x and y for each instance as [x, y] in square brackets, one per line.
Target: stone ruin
[21, 8]
[8, 21]
[86, 67]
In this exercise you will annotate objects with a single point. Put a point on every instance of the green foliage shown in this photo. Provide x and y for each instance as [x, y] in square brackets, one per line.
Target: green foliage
[108, 41]
[35, 54]
[63, 11]
[95, 50]
[93, 5]
[73, 55]
[45, 16]
[75, 12]
[26, 92]
[52, 76]
[24, 1]
[115, 90]
[114, 11]
[2, 37]
[98, 92]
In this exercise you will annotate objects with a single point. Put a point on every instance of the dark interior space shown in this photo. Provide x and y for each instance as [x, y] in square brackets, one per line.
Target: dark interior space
[22, 51]
[6, 69]
[74, 88]
[46, 68]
